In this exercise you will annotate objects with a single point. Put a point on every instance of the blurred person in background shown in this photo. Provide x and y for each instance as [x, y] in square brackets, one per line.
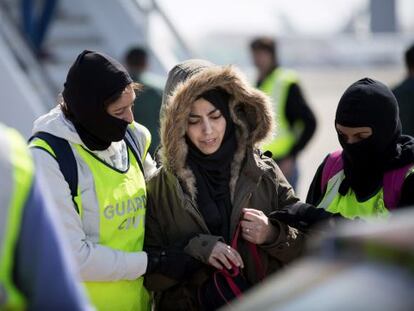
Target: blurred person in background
[35, 269]
[213, 183]
[36, 19]
[148, 101]
[404, 92]
[295, 120]
[95, 158]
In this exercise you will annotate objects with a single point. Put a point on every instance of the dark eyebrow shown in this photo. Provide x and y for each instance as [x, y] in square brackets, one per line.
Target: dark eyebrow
[119, 110]
[123, 108]
[213, 111]
[197, 116]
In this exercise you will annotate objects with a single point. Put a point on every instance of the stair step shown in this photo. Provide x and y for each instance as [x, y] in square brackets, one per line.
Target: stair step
[57, 73]
[71, 29]
[74, 40]
[67, 54]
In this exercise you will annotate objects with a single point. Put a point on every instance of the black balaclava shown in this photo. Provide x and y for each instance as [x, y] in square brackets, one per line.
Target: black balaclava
[369, 103]
[212, 172]
[92, 80]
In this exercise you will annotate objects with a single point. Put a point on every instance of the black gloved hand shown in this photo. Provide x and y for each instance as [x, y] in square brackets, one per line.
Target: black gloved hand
[171, 262]
[304, 216]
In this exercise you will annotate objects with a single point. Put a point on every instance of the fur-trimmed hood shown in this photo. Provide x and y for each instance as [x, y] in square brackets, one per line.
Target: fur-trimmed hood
[250, 109]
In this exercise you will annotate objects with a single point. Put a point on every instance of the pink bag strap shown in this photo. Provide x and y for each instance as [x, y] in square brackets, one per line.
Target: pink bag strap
[333, 165]
[235, 240]
[253, 251]
[393, 182]
[233, 286]
[259, 266]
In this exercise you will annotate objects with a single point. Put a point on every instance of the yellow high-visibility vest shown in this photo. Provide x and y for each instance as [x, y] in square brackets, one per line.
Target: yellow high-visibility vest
[113, 215]
[348, 205]
[16, 171]
[277, 86]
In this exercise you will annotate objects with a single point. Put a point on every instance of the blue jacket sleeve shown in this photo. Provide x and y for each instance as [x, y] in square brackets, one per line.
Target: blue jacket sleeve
[43, 270]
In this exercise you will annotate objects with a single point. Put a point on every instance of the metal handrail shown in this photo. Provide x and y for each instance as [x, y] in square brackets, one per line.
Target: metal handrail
[25, 57]
[173, 29]
[155, 7]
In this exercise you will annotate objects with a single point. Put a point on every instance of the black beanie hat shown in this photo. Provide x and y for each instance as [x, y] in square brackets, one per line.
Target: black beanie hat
[92, 80]
[180, 73]
[368, 103]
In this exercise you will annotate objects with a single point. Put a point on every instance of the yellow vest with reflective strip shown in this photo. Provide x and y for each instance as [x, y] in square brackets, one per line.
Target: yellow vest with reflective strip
[121, 198]
[277, 86]
[112, 211]
[16, 171]
[348, 205]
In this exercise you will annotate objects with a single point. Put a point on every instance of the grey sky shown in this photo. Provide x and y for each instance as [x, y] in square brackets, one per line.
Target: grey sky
[308, 17]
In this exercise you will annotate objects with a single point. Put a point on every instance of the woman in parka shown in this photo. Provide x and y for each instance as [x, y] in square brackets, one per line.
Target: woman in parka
[212, 179]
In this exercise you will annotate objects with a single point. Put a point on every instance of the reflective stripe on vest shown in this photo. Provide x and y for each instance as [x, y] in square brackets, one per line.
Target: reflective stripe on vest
[277, 85]
[16, 171]
[142, 137]
[348, 205]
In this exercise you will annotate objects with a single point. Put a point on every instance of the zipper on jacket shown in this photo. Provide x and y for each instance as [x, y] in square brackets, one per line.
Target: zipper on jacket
[244, 203]
[246, 199]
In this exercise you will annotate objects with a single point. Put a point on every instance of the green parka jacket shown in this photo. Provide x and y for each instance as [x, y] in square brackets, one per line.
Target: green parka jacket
[256, 182]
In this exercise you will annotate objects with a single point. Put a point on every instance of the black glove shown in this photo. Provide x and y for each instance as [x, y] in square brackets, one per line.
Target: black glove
[173, 263]
[304, 216]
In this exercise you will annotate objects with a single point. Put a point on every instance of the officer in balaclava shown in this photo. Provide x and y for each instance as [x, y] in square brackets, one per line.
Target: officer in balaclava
[94, 157]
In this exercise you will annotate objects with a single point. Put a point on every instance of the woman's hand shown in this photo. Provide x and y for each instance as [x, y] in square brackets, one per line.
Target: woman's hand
[224, 256]
[256, 227]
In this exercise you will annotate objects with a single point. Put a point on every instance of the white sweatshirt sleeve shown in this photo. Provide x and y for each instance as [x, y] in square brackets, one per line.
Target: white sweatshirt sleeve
[95, 262]
[149, 166]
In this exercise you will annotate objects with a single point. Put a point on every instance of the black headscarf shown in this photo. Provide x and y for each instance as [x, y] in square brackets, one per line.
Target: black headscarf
[212, 172]
[369, 103]
[92, 80]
